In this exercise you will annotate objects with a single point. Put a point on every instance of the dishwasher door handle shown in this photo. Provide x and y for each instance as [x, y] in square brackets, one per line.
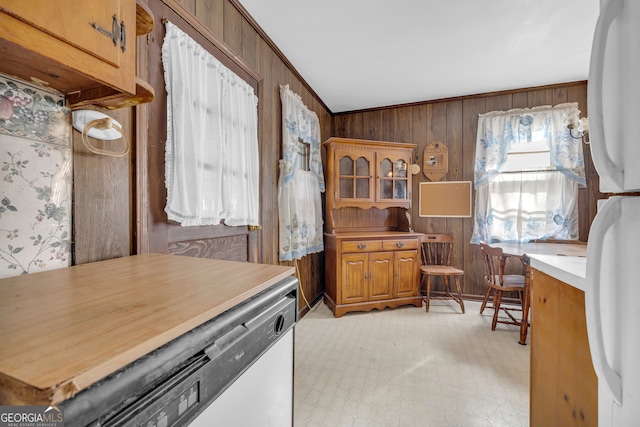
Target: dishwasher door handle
[227, 341]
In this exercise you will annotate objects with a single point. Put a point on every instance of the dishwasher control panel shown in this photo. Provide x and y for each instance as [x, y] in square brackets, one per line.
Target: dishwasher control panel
[184, 395]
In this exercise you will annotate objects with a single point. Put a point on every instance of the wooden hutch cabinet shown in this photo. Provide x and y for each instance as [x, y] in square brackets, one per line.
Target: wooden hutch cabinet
[372, 256]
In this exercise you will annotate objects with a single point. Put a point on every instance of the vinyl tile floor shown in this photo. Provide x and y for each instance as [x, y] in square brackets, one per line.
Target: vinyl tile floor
[406, 367]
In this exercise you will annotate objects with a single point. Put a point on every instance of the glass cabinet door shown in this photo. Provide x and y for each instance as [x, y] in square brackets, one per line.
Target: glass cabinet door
[393, 179]
[354, 177]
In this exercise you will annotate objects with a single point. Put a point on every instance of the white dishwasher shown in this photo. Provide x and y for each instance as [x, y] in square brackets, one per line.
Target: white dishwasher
[261, 396]
[235, 370]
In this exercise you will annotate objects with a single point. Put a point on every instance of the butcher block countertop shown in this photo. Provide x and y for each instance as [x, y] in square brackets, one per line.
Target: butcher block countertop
[63, 330]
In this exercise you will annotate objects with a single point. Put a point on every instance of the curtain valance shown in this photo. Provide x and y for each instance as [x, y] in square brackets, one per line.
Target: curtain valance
[499, 130]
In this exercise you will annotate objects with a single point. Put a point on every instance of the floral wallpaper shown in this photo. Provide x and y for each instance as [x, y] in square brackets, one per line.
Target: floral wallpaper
[35, 168]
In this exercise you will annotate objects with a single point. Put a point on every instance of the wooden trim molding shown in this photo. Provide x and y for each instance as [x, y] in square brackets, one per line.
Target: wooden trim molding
[464, 97]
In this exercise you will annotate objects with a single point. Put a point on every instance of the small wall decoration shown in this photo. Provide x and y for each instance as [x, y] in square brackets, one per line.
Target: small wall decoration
[435, 161]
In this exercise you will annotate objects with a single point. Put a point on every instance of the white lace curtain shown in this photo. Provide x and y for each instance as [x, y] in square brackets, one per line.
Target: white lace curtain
[519, 207]
[211, 154]
[300, 184]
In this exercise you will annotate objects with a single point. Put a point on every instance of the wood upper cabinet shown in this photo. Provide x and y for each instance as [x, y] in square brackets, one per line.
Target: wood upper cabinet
[84, 49]
[367, 174]
[392, 178]
[354, 177]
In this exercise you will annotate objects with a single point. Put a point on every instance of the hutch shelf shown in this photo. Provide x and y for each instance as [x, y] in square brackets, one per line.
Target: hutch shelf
[372, 256]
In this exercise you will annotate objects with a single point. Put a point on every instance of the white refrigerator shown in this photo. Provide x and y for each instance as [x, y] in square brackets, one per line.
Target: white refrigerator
[612, 294]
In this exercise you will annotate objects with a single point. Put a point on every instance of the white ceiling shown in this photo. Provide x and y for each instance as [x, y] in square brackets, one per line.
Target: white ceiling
[359, 54]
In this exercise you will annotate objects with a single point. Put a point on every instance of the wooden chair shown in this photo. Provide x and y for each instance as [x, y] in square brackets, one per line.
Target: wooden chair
[497, 283]
[436, 261]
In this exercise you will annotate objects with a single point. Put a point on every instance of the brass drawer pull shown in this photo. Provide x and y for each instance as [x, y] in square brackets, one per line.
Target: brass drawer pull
[362, 246]
[400, 244]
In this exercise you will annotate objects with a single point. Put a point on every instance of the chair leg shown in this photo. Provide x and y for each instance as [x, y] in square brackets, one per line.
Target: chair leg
[428, 298]
[457, 282]
[447, 288]
[524, 325]
[497, 298]
[485, 300]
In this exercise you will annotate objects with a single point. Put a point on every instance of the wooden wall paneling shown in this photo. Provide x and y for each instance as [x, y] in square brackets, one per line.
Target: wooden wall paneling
[373, 126]
[559, 95]
[211, 14]
[250, 45]
[387, 125]
[232, 27]
[267, 140]
[437, 131]
[497, 103]
[418, 137]
[141, 193]
[271, 143]
[295, 85]
[454, 128]
[454, 140]
[317, 270]
[233, 248]
[152, 230]
[103, 197]
[190, 5]
[338, 126]
[588, 201]
[403, 124]
[473, 267]
[520, 100]
[539, 97]
[357, 126]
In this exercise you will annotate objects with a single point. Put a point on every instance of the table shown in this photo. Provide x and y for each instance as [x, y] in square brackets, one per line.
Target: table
[521, 250]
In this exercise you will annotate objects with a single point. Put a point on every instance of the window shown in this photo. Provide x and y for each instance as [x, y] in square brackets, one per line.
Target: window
[302, 150]
[526, 188]
[212, 165]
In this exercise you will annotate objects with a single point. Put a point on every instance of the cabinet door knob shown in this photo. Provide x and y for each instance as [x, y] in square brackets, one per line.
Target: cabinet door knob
[400, 244]
[361, 246]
